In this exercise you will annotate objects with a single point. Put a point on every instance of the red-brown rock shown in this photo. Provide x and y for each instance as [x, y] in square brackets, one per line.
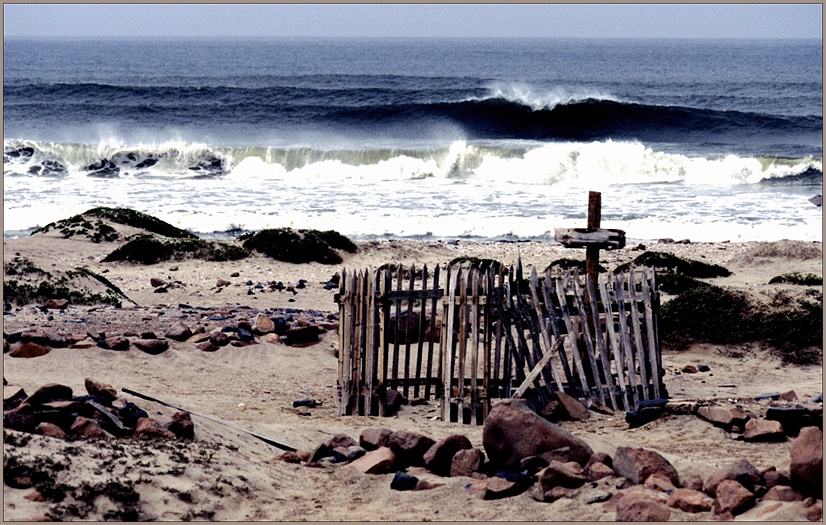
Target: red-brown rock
[48, 393]
[782, 493]
[288, 457]
[28, 350]
[152, 346]
[13, 395]
[88, 428]
[466, 462]
[723, 417]
[379, 461]
[56, 304]
[178, 332]
[373, 438]
[118, 343]
[181, 425]
[340, 440]
[658, 481]
[409, 447]
[732, 497]
[806, 466]
[439, 457]
[148, 427]
[423, 484]
[763, 430]
[637, 506]
[688, 500]
[98, 388]
[51, 430]
[598, 471]
[637, 464]
[574, 408]
[513, 431]
[741, 467]
[556, 474]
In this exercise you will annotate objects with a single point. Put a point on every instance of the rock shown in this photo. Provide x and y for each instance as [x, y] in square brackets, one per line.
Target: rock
[815, 511]
[806, 467]
[319, 452]
[498, 488]
[646, 411]
[512, 431]
[100, 389]
[302, 335]
[597, 496]
[774, 477]
[732, 497]
[379, 461]
[50, 430]
[28, 350]
[597, 471]
[56, 304]
[723, 417]
[273, 339]
[423, 484]
[262, 324]
[131, 413]
[178, 332]
[556, 474]
[737, 469]
[182, 425]
[797, 417]
[88, 428]
[688, 500]
[703, 368]
[689, 369]
[207, 346]
[658, 481]
[218, 338]
[636, 464]
[220, 283]
[152, 346]
[393, 400]
[789, 396]
[533, 464]
[340, 440]
[373, 438]
[409, 447]
[288, 457]
[817, 200]
[404, 481]
[637, 506]
[467, 461]
[154, 282]
[763, 430]
[48, 393]
[13, 395]
[118, 343]
[439, 457]
[556, 493]
[354, 452]
[574, 409]
[20, 421]
[148, 427]
[782, 493]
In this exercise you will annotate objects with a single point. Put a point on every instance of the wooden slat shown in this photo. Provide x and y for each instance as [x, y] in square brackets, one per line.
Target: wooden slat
[398, 303]
[655, 304]
[420, 338]
[572, 339]
[625, 340]
[371, 353]
[546, 292]
[589, 343]
[384, 340]
[532, 322]
[635, 324]
[486, 345]
[497, 345]
[599, 338]
[357, 341]
[536, 370]
[649, 326]
[447, 347]
[474, 347]
[534, 284]
[407, 332]
[614, 343]
[430, 342]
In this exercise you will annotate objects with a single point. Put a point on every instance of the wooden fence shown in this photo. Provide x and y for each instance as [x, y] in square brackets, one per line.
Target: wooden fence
[473, 335]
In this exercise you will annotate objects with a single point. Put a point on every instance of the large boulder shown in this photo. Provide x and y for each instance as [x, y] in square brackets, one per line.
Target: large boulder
[439, 458]
[806, 466]
[513, 431]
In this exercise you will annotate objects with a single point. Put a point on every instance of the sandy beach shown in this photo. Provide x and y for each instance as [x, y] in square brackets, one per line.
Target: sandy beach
[228, 475]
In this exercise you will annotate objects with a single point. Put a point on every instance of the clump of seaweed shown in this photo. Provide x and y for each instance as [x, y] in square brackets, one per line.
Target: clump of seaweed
[299, 246]
[808, 279]
[96, 230]
[675, 284]
[147, 249]
[669, 263]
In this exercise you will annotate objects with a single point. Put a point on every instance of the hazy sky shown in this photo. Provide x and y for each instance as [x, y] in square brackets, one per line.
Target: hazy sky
[416, 20]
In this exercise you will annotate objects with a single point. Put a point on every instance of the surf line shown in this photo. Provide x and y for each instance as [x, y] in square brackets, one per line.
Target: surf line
[253, 434]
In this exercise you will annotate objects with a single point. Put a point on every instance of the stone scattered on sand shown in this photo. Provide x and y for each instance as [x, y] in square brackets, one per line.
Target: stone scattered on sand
[637, 464]
[738, 469]
[152, 346]
[178, 332]
[181, 425]
[763, 430]
[409, 447]
[100, 389]
[379, 461]
[374, 437]
[724, 417]
[639, 506]
[732, 497]
[28, 350]
[806, 466]
[439, 457]
[556, 474]
[691, 501]
[466, 462]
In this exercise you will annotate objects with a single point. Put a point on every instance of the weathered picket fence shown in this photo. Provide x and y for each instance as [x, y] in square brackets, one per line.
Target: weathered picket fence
[481, 334]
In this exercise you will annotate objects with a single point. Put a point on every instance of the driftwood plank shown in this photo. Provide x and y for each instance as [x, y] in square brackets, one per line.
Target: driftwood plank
[409, 318]
[599, 337]
[447, 347]
[474, 347]
[532, 320]
[614, 343]
[486, 348]
[635, 323]
[534, 284]
[589, 343]
[572, 339]
[546, 292]
[344, 345]
[625, 340]
[384, 329]
[420, 338]
[398, 302]
[462, 282]
[372, 340]
[649, 326]
[431, 339]
[522, 352]
[536, 370]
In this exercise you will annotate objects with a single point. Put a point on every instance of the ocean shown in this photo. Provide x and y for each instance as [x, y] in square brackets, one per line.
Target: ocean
[483, 139]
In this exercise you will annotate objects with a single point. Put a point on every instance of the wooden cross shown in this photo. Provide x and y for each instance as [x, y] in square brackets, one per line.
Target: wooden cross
[592, 238]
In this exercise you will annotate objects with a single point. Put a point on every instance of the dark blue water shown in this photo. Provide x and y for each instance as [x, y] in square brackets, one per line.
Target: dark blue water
[709, 140]
[745, 97]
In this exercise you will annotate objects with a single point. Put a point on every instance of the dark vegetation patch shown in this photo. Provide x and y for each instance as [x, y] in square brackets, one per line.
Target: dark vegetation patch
[146, 249]
[669, 263]
[93, 224]
[808, 279]
[393, 268]
[792, 325]
[299, 246]
[34, 285]
[480, 263]
[566, 263]
[674, 284]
